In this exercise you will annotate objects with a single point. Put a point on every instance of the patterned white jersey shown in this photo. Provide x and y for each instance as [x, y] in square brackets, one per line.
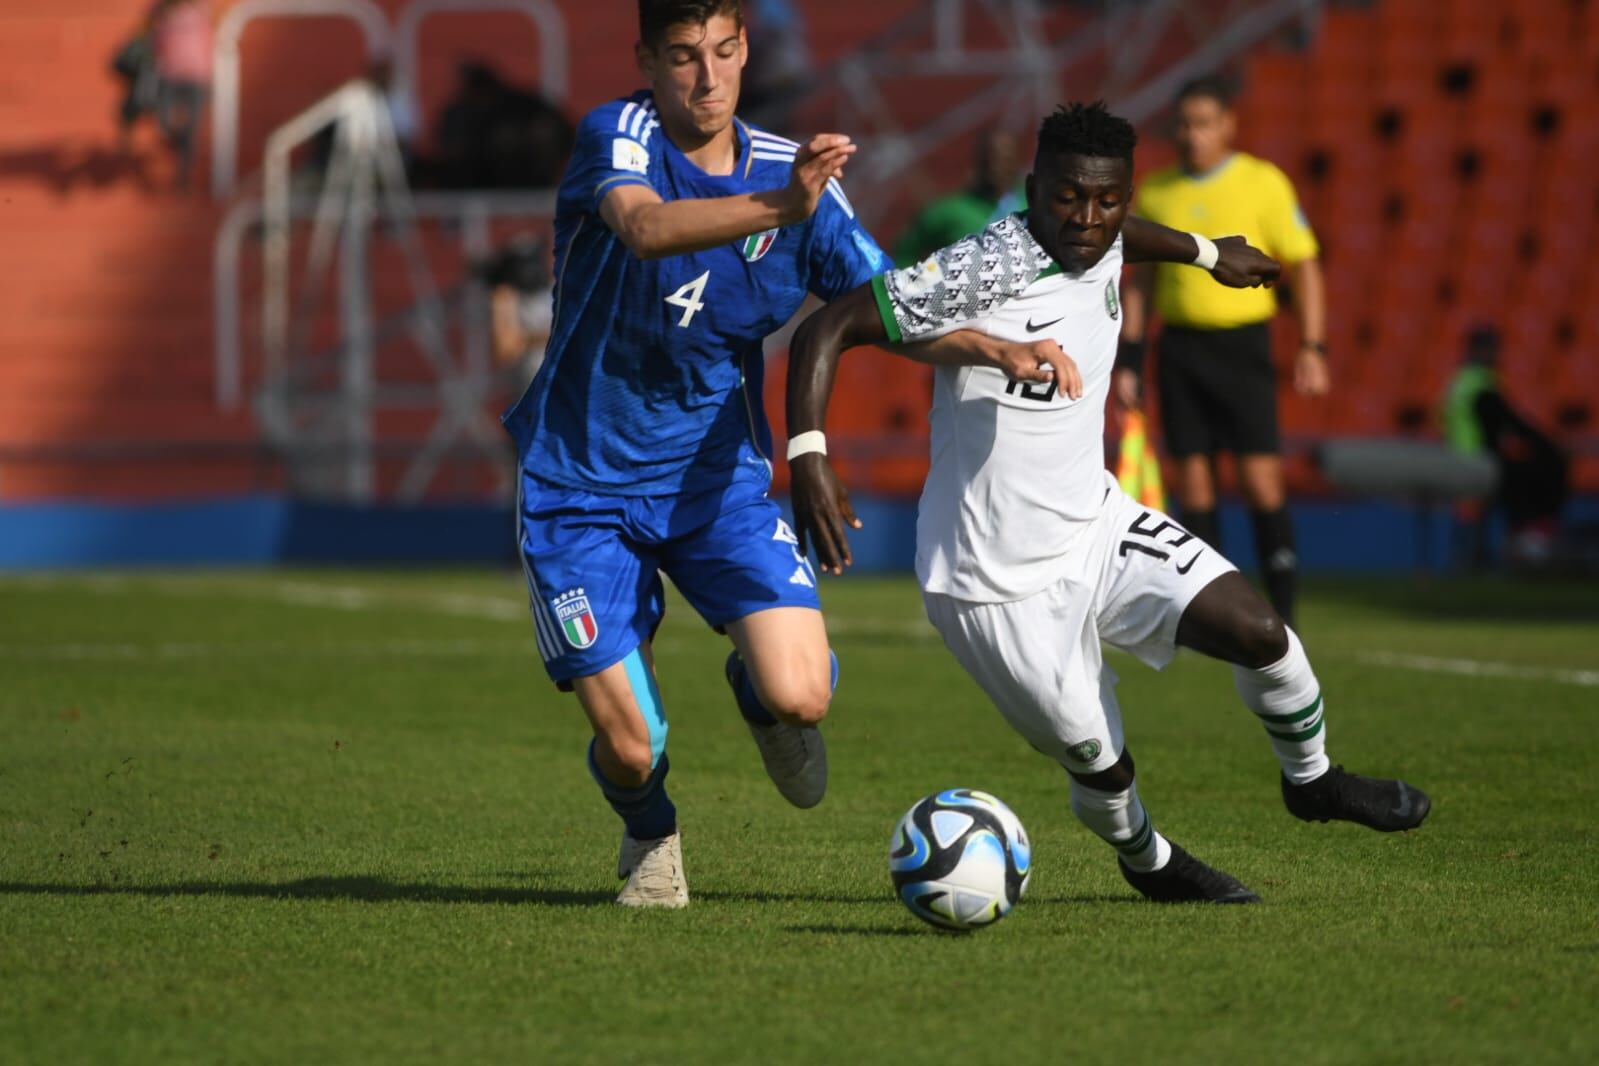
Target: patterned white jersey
[1018, 470]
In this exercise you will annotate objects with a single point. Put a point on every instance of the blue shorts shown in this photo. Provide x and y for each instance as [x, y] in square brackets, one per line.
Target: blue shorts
[594, 564]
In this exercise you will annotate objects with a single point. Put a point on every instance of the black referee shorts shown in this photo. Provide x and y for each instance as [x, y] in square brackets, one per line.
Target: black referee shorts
[1218, 391]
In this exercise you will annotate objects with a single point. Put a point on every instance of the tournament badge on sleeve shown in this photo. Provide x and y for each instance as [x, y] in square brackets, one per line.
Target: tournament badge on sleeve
[1137, 465]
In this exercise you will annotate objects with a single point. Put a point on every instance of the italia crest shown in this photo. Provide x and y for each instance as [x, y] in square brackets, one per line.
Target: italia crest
[758, 244]
[1113, 304]
[576, 618]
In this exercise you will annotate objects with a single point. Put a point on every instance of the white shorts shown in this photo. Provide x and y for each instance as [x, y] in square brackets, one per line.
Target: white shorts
[1039, 659]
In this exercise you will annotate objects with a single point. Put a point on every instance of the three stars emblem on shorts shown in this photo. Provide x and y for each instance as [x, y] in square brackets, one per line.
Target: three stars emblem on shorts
[576, 618]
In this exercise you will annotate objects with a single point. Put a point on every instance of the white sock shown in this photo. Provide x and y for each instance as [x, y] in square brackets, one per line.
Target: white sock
[1286, 697]
[1119, 819]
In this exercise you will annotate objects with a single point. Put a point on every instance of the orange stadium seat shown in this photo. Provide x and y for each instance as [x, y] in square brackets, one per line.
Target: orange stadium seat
[1472, 29]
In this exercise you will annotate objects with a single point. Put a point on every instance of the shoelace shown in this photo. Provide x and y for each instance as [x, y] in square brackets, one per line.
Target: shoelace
[788, 744]
[656, 871]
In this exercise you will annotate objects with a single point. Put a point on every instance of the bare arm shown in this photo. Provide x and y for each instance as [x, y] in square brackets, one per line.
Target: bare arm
[821, 504]
[1309, 288]
[509, 340]
[1238, 265]
[1138, 296]
[653, 228]
[1040, 360]
[1144, 241]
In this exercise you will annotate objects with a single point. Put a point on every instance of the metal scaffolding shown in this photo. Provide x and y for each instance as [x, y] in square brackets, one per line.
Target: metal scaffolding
[319, 405]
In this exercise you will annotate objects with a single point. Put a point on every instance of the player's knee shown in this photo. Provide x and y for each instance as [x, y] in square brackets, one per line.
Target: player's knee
[632, 760]
[799, 702]
[1263, 638]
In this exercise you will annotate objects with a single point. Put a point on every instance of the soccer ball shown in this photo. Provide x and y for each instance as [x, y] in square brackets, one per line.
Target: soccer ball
[960, 859]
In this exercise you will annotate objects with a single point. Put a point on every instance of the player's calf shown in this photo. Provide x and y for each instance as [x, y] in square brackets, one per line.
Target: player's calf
[1107, 803]
[627, 759]
[646, 810]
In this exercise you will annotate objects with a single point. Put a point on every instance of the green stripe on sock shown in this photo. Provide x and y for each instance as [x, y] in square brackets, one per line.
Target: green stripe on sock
[1299, 737]
[1140, 840]
[1293, 716]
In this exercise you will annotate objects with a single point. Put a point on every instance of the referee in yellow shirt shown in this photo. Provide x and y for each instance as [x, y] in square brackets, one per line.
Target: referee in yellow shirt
[1217, 386]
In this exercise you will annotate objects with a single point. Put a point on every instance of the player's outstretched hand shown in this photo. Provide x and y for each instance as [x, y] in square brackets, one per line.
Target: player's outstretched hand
[822, 513]
[1241, 266]
[1040, 360]
[817, 161]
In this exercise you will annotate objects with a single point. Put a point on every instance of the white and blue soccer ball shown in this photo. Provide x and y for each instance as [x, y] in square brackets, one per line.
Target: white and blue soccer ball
[960, 859]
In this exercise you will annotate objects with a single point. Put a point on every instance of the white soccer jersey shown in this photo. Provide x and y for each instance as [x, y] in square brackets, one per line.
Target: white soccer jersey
[1017, 469]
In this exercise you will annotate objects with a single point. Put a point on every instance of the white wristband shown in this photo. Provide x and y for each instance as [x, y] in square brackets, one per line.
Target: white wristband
[805, 443]
[1208, 252]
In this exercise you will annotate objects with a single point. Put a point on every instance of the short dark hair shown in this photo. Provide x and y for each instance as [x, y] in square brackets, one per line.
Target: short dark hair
[655, 17]
[1208, 87]
[1087, 129]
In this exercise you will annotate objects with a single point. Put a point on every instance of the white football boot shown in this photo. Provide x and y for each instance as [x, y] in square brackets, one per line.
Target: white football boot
[654, 872]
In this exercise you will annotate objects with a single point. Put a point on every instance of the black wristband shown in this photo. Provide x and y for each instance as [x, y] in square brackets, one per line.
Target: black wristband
[1319, 347]
[1130, 356]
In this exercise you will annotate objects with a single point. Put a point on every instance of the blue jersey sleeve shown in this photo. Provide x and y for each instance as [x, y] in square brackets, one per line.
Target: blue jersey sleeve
[843, 255]
[613, 148]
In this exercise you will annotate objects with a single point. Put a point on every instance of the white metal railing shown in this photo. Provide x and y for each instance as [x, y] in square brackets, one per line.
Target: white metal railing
[375, 31]
[401, 42]
[363, 190]
[544, 15]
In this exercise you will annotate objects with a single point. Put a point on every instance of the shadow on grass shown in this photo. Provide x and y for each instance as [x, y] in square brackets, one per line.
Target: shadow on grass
[870, 930]
[379, 890]
[359, 889]
[352, 889]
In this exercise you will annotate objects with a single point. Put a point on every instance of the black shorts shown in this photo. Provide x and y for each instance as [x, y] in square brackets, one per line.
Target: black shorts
[1218, 391]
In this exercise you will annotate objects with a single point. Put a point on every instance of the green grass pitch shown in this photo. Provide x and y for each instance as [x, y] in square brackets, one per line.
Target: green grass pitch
[342, 817]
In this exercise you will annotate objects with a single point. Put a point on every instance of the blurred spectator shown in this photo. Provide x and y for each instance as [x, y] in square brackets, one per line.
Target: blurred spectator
[1533, 471]
[492, 135]
[779, 71]
[521, 295]
[180, 39]
[134, 63]
[947, 220]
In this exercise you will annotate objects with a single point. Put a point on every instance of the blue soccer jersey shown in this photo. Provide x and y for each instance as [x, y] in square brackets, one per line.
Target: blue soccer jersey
[652, 378]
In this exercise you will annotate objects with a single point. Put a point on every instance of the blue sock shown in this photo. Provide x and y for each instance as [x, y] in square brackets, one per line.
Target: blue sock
[749, 704]
[646, 811]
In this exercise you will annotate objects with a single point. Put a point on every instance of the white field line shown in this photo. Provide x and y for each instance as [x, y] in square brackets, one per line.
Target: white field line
[356, 598]
[1480, 668]
[177, 651]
